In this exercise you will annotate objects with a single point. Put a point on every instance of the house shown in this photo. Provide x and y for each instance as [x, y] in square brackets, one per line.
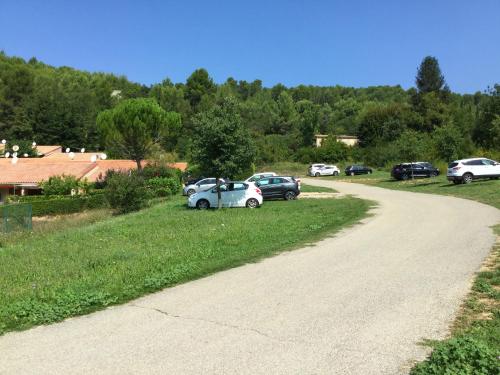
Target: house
[349, 140]
[24, 177]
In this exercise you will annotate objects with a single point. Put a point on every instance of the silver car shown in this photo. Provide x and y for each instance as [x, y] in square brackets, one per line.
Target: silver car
[201, 185]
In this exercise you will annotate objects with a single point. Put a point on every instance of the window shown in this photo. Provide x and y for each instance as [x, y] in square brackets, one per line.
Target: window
[488, 162]
[264, 181]
[474, 162]
[276, 181]
[238, 187]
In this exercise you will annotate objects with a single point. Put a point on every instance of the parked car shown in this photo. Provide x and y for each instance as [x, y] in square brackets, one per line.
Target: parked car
[203, 184]
[405, 171]
[466, 170]
[233, 194]
[260, 175]
[324, 170]
[285, 187]
[352, 170]
[313, 168]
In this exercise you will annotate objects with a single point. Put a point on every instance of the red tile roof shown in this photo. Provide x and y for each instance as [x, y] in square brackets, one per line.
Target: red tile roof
[36, 170]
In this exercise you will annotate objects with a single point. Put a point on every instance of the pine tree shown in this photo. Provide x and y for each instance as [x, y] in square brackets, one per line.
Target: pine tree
[429, 77]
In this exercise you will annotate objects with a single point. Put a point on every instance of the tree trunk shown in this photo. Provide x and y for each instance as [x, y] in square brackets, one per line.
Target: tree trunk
[139, 166]
[219, 200]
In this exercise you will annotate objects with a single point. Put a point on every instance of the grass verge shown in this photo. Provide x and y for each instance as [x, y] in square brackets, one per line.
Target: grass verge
[45, 278]
[304, 188]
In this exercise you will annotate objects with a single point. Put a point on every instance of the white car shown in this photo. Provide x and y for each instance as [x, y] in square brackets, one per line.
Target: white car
[466, 170]
[233, 194]
[258, 176]
[203, 184]
[317, 170]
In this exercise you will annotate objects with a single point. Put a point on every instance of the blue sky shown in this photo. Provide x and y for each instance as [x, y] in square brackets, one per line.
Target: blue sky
[353, 43]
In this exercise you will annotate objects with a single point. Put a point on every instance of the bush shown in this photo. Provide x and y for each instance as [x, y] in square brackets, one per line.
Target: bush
[126, 192]
[163, 186]
[461, 355]
[63, 185]
[160, 170]
[57, 205]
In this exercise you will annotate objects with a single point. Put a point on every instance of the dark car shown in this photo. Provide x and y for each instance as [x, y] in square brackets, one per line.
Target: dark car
[284, 187]
[352, 170]
[405, 171]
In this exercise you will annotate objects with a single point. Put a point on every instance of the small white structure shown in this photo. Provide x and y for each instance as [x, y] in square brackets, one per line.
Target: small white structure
[349, 140]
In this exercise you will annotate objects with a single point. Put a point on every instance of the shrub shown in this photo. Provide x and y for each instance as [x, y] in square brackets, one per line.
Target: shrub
[160, 170]
[461, 355]
[63, 185]
[56, 204]
[102, 180]
[126, 192]
[163, 186]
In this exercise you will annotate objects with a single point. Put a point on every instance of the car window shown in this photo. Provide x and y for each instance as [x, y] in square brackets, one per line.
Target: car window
[276, 181]
[264, 181]
[238, 186]
[451, 165]
[488, 162]
[474, 162]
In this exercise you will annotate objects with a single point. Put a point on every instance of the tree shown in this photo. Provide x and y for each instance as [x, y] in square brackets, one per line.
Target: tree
[135, 126]
[222, 144]
[199, 85]
[429, 77]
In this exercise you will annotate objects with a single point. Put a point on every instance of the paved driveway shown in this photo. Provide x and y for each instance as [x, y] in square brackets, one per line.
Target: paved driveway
[357, 303]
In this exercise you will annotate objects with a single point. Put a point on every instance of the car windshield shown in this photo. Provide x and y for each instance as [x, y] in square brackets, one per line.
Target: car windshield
[453, 164]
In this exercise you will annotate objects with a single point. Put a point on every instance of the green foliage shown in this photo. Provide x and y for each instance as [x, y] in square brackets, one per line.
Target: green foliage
[126, 192]
[462, 355]
[429, 77]
[83, 268]
[135, 126]
[160, 170]
[164, 186]
[223, 146]
[64, 185]
[24, 148]
[449, 143]
[60, 205]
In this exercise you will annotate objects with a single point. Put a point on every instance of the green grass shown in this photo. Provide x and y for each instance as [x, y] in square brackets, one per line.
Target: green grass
[48, 277]
[304, 188]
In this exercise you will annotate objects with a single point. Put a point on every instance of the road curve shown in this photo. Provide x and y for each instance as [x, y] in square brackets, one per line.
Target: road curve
[357, 303]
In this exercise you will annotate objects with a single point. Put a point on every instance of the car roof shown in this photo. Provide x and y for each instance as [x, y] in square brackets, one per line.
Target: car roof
[465, 160]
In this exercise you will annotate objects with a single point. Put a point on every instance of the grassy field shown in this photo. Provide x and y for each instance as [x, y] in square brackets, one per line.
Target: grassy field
[46, 277]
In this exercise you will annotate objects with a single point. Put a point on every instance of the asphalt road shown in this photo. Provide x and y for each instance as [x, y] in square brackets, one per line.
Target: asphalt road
[357, 303]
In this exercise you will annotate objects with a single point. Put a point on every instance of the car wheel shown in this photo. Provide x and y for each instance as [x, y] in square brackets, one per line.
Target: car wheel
[252, 203]
[467, 178]
[404, 177]
[290, 195]
[316, 174]
[434, 174]
[335, 173]
[352, 173]
[369, 172]
[202, 204]
[190, 192]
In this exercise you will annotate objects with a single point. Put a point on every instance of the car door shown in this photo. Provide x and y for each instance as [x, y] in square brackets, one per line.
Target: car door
[478, 168]
[276, 187]
[490, 168]
[418, 170]
[237, 194]
[264, 185]
[326, 171]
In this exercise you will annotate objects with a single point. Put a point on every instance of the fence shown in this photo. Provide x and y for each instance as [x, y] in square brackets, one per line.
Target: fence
[15, 217]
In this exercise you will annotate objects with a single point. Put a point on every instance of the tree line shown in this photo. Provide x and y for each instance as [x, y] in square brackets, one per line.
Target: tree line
[61, 106]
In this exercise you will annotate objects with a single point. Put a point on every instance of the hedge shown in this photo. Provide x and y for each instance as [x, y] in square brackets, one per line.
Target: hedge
[54, 205]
